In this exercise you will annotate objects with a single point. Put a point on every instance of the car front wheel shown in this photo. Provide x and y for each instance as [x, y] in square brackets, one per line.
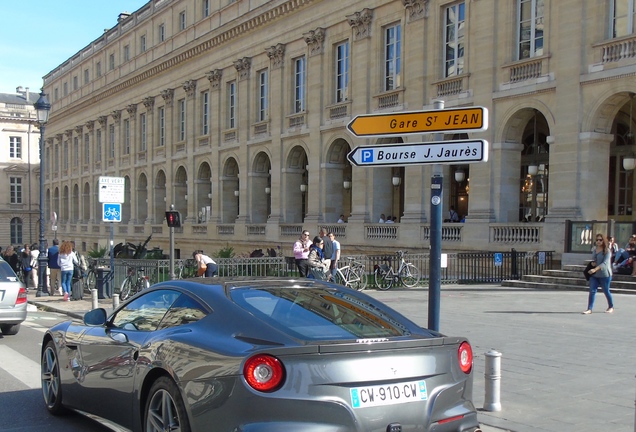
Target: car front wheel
[51, 382]
[165, 410]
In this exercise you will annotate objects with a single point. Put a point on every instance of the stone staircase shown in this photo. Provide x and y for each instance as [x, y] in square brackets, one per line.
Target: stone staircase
[571, 278]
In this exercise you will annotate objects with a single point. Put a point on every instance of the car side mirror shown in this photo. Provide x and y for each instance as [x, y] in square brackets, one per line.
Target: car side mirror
[96, 317]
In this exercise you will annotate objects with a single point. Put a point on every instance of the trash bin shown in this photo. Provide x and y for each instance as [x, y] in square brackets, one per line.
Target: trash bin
[103, 285]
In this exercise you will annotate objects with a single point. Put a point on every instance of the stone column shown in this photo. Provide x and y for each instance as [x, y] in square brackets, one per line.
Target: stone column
[214, 77]
[276, 55]
[243, 68]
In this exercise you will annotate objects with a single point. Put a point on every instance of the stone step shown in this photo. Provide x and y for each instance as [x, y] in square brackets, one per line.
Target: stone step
[557, 286]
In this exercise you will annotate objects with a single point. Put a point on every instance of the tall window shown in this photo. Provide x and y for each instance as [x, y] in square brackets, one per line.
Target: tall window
[98, 69]
[126, 53]
[530, 21]
[16, 190]
[231, 105]
[98, 145]
[182, 20]
[182, 119]
[262, 95]
[143, 143]
[142, 43]
[392, 62]
[205, 113]
[75, 151]
[622, 17]
[65, 89]
[65, 156]
[16, 230]
[111, 62]
[342, 71]
[75, 83]
[454, 40]
[299, 84]
[111, 134]
[87, 149]
[15, 147]
[162, 126]
[127, 136]
[86, 76]
[56, 160]
[206, 7]
[162, 32]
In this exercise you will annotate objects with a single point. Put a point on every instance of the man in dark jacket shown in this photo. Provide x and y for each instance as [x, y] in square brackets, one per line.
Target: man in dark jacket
[327, 249]
[54, 268]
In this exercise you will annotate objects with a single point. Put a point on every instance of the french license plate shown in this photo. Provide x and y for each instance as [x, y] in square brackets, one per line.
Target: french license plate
[388, 394]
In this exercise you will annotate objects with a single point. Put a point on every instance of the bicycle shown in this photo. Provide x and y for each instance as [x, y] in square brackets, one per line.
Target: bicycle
[352, 275]
[407, 274]
[134, 282]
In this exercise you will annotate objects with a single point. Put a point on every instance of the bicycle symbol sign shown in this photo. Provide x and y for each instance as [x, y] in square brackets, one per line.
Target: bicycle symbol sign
[111, 212]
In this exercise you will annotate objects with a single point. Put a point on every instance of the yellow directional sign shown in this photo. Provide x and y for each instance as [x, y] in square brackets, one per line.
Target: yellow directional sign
[419, 122]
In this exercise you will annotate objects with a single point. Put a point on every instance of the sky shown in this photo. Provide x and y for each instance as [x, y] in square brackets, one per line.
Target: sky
[36, 36]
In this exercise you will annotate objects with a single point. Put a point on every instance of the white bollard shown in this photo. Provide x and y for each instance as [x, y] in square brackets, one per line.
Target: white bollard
[492, 377]
[115, 301]
[94, 300]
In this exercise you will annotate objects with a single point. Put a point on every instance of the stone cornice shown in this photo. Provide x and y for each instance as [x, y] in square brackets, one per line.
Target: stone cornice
[214, 76]
[167, 95]
[243, 67]
[90, 125]
[416, 9]
[276, 55]
[361, 23]
[314, 40]
[190, 86]
[149, 102]
[218, 39]
[132, 110]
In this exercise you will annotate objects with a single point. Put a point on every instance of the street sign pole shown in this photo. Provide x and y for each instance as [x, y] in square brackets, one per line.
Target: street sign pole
[435, 258]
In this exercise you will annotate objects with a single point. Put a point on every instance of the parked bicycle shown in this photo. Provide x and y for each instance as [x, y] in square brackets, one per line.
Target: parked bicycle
[352, 275]
[134, 282]
[407, 274]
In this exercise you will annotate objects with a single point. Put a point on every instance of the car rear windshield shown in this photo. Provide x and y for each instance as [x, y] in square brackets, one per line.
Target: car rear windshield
[318, 313]
[6, 272]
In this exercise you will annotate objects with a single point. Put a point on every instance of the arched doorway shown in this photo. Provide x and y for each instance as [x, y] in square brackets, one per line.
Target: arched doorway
[338, 182]
[159, 200]
[260, 178]
[534, 170]
[231, 191]
[203, 193]
[296, 185]
[181, 192]
[142, 198]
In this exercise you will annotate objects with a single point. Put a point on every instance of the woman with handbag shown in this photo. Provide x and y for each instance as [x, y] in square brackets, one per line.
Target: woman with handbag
[206, 267]
[318, 269]
[601, 274]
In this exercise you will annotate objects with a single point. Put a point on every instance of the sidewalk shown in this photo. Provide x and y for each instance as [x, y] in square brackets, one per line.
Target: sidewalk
[560, 371]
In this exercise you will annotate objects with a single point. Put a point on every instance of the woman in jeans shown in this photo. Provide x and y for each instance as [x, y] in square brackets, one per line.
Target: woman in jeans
[65, 259]
[601, 274]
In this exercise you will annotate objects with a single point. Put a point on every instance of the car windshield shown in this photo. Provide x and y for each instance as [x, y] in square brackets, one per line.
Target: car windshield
[318, 313]
[6, 272]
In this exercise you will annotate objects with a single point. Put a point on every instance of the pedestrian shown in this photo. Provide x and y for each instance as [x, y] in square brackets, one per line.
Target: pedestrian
[206, 267]
[613, 247]
[318, 269]
[12, 258]
[66, 259]
[389, 219]
[601, 275]
[301, 253]
[335, 257]
[54, 268]
[382, 218]
[341, 219]
[35, 253]
[452, 215]
[327, 248]
[624, 253]
[25, 264]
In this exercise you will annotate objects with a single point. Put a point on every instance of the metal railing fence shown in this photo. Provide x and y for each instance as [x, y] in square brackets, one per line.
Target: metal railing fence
[459, 267]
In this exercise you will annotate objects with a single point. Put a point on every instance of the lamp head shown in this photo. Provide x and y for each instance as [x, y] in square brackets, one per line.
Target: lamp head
[42, 108]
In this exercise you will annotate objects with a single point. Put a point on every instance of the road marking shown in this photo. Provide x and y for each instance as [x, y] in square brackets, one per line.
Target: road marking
[20, 367]
[34, 326]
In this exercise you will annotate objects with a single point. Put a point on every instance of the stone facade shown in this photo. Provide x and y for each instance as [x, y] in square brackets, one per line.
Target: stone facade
[20, 167]
[239, 120]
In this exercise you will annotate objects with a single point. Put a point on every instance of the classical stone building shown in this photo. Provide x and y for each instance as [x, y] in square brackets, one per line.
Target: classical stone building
[20, 167]
[236, 113]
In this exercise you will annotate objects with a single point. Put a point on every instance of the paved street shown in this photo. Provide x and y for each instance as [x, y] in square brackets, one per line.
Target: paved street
[561, 371]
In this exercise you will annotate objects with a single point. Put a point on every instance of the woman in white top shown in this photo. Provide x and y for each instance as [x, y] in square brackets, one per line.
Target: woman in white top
[65, 260]
[205, 265]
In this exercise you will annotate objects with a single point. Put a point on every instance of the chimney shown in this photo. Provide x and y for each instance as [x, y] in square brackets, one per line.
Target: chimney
[122, 16]
[19, 90]
[26, 96]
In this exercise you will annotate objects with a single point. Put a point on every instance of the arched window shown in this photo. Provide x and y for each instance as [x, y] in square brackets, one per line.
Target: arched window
[16, 231]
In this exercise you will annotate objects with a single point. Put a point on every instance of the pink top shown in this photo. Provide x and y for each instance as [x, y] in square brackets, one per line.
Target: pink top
[301, 251]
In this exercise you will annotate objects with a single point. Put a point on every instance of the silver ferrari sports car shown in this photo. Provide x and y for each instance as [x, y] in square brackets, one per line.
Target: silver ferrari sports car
[258, 355]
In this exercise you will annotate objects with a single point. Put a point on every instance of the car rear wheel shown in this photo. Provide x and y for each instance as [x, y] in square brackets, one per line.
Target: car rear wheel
[10, 329]
[51, 382]
[165, 409]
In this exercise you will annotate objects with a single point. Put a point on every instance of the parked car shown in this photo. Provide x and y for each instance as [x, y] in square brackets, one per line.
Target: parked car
[13, 300]
[258, 354]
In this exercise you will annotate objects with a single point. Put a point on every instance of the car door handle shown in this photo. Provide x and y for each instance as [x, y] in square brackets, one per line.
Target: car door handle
[118, 337]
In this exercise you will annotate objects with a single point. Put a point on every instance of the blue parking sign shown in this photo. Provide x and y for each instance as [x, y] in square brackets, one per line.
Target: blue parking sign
[498, 259]
[111, 212]
[367, 155]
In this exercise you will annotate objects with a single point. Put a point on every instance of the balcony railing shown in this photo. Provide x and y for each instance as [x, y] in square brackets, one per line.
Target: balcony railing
[450, 233]
[617, 49]
[527, 69]
[381, 231]
[516, 233]
[255, 230]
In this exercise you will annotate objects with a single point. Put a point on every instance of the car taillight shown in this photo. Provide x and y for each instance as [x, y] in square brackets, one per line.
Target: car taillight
[465, 357]
[264, 372]
[22, 296]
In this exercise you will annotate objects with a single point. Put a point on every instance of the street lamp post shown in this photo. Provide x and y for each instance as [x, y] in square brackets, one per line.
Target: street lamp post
[42, 108]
